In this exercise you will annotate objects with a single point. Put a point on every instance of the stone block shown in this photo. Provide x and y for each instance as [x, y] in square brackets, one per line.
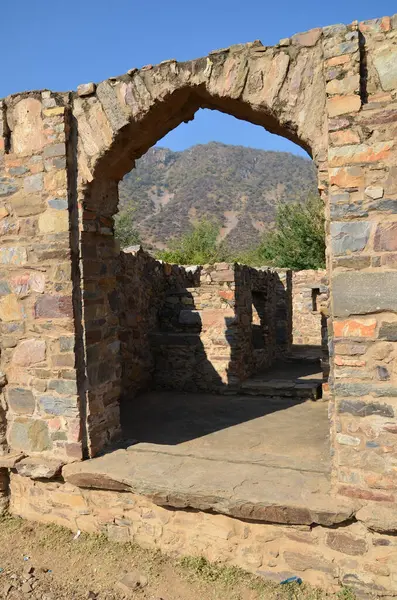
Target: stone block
[29, 352]
[27, 136]
[388, 331]
[58, 203]
[346, 543]
[303, 561]
[38, 468]
[53, 307]
[10, 308]
[54, 221]
[58, 405]
[361, 408]
[341, 105]
[190, 317]
[349, 237]
[354, 328]
[379, 518]
[25, 205]
[8, 187]
[13, 256]
[356, 293]
[21, 401]
[385, 61]
[386, 238]
[63, 386]
[86, 89]
[29, 435]
[33, 183]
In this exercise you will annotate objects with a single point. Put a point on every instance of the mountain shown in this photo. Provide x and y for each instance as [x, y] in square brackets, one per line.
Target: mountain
[238, 186]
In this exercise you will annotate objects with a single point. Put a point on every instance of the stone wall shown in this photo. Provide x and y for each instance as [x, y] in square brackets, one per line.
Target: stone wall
[310, 307]
[332, 91]
[351, 554]
[144, 283]
[37, 303]
[197, 328]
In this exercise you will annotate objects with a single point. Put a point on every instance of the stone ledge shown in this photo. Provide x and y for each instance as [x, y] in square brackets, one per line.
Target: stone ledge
[246, 491]
[38, 468]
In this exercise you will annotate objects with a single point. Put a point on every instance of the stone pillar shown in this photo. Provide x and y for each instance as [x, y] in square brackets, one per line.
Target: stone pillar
[362, 120]
[36, 307]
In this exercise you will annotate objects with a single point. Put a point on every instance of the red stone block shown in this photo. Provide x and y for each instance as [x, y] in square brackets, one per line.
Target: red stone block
[53, 307]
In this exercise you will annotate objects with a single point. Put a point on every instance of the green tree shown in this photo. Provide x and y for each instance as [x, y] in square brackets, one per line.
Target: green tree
[197, 247]
[298, 241]
[124, 229]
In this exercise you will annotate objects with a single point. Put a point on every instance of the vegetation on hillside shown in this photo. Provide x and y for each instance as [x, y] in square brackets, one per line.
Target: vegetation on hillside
[237, 187]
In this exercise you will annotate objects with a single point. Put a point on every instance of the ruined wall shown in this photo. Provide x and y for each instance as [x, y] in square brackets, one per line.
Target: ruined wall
[331, 90]
[326, 557]
[310, 294]
[211, 336]
[144, 284]
[36, 282]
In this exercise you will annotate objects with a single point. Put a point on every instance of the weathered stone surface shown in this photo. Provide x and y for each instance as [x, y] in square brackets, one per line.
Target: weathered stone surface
[363, 293]
[63, 386]
[29, 435]
[58, 405]
[21, 401]
[385, 61]
[13, 256]
[8, 461]
[270, 502]
[349, 237]
[10, 308]
[86, 89]
[341, 105]
[38, 468]
[355, 328]
[29, 352]
[53, 307]
[361, 408]
[346, 543]
[374, 192]
[380, 518]
[388, 331]
[308, 560]
[386, 238]
[54, 221]
[28, 135]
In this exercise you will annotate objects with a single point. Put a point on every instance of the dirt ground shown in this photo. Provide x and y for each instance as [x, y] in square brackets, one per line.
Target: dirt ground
[42, 562]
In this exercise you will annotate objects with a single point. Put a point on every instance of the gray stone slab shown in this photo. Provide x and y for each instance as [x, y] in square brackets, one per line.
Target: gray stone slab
[359, 293]
[246, 491]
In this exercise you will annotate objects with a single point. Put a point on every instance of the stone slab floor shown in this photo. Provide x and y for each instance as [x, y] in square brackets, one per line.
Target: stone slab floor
[261, 458]
[271, 431]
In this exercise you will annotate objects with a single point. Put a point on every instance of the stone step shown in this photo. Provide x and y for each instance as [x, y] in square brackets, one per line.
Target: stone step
[236, 488]
[306, 388]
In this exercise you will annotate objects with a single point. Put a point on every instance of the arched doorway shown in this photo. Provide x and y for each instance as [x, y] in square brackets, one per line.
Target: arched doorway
[279, 89]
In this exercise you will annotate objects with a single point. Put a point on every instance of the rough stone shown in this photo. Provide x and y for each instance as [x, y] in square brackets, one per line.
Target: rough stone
[388, 331]
[86, 89]
[29, 435]
[29, 352]
[386, 238]
[38, 468]
[385, 61]
[53, 307]
[363, 293]
[361, 408]
[21, 401]
[346, 543]
[349, 237]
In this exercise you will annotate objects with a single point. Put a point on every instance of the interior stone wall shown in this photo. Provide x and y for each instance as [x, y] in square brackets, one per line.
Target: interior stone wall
[195, 328]
[309, 307]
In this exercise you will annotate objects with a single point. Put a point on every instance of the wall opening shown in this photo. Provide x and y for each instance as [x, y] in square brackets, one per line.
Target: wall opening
[181, 340]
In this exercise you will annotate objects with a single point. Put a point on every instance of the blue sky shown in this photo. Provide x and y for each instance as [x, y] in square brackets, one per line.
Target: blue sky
[57, 45]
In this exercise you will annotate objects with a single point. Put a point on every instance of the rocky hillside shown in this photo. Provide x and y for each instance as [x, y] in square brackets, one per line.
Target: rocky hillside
[238, 186]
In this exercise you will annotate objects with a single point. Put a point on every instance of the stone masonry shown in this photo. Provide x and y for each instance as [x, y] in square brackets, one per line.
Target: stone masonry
[198, 328]
[333, 91]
